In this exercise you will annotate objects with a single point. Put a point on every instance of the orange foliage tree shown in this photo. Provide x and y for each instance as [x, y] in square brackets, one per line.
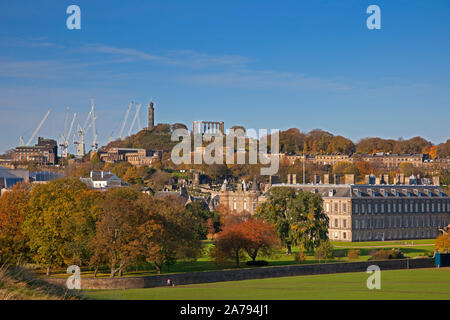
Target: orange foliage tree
[442, 243]
[243, 234]
[13, 242]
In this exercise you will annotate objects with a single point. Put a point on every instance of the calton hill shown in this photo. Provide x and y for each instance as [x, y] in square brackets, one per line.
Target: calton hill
[130, 231]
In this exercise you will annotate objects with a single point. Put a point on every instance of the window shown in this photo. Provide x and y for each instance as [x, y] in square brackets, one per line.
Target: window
[369, 208]
[344, 207]
[335, 223]
[355, 206]
[336, 235]
[344, 235]
[344, 223]
[327, 207]
[336, 209]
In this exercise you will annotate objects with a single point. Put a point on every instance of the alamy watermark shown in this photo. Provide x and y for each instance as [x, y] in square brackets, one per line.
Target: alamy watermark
[74, 281]
[255, 151]
[74, 20]
[374, 281]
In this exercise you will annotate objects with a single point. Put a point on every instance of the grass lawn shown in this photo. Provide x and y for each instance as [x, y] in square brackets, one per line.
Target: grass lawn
[395, 284]
[204, 263]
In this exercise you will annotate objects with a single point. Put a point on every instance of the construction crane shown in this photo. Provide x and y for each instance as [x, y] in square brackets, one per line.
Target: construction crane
[94, 130]
[65, 139]
[125, 120]
[81, 131]
[138, 107]
[35, 131]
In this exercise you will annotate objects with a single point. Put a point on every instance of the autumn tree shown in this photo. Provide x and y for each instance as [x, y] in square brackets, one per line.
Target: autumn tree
[298, 217]
[230, 243]
[262, 238]
[442, 243]
[80, 226]
[50, 207]
[116, 231]
[167, 233]
[13, 242]
[433, 152]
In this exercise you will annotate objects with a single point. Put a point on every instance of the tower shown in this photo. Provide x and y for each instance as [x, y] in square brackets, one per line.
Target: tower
[151, 116]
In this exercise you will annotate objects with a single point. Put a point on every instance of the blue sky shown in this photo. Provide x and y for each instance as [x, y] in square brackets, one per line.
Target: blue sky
[261, 64]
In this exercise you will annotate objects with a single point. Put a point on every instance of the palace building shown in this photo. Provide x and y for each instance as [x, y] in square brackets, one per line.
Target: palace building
[367, 212]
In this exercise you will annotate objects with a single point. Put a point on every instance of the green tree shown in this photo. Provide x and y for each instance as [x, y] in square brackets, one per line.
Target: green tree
[199, 213]
[298, 217]
[49, 208]
[167, 233]
[324, 250]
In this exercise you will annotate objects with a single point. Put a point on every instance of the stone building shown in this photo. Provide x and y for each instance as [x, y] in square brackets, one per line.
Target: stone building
[242, 199]
[390, 160]
[205, 127]
[103, 180]
[137, 157]
[45, 152]
[366, 212]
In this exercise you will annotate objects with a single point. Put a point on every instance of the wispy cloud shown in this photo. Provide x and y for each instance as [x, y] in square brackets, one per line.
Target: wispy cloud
[267, 79]
[226, 70]
[186, 58]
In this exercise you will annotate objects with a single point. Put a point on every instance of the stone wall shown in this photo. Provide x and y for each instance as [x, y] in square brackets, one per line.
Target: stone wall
[245, 274]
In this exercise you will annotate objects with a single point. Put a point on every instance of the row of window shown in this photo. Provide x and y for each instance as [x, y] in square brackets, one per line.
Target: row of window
[399, 222]
[411, 206]
[335, 207]
[394, 234]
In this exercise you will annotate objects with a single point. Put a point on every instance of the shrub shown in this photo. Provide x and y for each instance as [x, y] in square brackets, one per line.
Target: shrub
[396, 254]
[382, 254]
[339, 253]
[353, 254]
[300, 256]
[259, 263]
[324, 250]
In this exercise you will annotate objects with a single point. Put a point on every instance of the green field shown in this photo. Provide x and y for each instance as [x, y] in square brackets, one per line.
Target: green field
[204, 263]
[395, 284]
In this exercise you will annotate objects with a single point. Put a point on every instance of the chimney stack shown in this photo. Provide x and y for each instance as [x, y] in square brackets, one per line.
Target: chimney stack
[349, 179]
[316, 179]
[336, 179]
[436, 181]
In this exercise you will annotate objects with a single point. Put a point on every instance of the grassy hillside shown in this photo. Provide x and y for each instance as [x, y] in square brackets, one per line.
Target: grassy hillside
[19, 284]
[157, 139]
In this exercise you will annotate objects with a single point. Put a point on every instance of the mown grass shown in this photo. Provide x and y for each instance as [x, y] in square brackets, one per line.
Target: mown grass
[414, 284]
[204, 263]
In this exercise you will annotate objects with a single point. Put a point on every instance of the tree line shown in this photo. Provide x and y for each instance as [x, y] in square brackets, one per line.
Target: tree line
[63, 223]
